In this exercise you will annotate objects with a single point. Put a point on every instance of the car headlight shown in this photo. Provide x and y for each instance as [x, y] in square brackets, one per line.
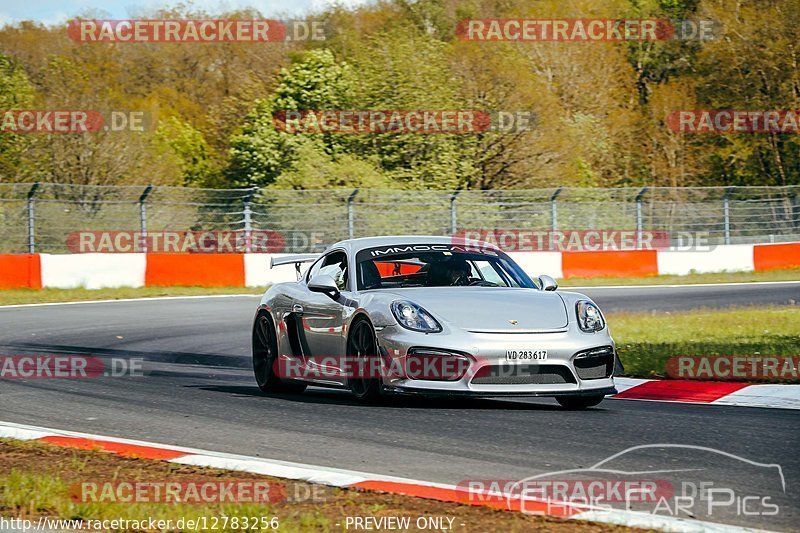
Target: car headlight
[590, 319]
[413, 317]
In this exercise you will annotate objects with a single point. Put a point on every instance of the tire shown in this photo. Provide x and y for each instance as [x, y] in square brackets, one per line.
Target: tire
[576, 403]
[362, 344]
[265, 353]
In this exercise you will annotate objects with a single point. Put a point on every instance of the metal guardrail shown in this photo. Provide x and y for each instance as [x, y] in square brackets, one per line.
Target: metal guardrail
[41, 217]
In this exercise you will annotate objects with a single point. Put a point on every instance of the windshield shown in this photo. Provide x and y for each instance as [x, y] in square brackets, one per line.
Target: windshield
[437, 265]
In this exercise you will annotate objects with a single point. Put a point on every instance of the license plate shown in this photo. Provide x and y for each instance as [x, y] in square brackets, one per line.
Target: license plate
[526, 355]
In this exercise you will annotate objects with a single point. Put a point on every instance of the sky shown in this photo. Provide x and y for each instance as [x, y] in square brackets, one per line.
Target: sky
[59, 11]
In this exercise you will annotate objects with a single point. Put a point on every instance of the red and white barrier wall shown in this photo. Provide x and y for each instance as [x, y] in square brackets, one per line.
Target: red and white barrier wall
[95, 271]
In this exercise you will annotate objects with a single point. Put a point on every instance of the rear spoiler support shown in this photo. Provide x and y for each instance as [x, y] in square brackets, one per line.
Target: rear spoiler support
[296, 260]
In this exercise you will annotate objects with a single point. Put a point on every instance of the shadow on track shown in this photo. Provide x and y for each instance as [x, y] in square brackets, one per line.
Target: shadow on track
[395, 401]
[165, 357]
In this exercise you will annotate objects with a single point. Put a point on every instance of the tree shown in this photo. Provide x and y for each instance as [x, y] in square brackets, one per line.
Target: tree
[403, 69]
[316, 169]
[752, 66]
[187, 145]
[259, 152]
[16, 92]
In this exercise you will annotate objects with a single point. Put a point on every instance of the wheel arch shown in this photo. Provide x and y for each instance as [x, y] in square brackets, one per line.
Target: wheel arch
[359, 315]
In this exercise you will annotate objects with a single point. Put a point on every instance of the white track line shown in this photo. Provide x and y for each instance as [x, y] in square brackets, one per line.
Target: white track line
[142, 299]
[244, 295]
[685, 286]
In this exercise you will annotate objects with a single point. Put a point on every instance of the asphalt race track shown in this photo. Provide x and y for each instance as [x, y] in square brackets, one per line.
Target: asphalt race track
[198, 392]
[682, 297]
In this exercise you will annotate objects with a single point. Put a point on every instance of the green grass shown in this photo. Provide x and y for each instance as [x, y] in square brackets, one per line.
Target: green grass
[645, 341]
[44, 494]
[792, 274]
[30, 296]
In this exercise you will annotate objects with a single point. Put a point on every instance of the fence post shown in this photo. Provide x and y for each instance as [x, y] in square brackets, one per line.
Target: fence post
[350, 213]
[143, 217]
[31, 232]
[639, 223]
[248, 219]
[453, 220]
[726, 214]
[554, 217]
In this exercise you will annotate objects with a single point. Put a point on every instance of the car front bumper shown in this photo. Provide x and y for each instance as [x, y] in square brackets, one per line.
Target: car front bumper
[488, 373]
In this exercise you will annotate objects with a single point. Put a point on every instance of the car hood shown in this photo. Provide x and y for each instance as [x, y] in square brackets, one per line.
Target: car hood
[488, 309]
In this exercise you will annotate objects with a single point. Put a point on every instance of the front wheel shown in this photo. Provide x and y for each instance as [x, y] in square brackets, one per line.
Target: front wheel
[579, 402]
[362, 348]
[265, 355]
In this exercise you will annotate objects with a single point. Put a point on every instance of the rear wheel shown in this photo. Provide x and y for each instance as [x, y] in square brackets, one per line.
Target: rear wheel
[265, 355]
[579, 402]
[362, 348]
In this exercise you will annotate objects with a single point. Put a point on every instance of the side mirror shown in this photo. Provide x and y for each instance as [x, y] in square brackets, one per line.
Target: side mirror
[325, 284]
[547, 283]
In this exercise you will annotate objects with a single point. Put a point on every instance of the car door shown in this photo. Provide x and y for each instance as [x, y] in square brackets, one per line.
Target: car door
[320, 317]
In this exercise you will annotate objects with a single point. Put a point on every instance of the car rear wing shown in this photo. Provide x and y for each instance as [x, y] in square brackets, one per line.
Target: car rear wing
[296, 260]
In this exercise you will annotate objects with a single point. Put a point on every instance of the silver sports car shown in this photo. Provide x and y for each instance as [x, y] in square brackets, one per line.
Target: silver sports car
[429, 315]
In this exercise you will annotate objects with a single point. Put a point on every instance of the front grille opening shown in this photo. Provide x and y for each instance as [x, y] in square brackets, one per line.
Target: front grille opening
[433, 364]
[597, 363]
[523, 375]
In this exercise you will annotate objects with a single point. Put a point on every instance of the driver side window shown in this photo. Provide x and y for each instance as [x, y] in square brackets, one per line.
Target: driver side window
[314, 269]
[335, 265]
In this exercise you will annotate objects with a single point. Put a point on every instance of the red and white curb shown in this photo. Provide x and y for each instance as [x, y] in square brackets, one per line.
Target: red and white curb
[709, 392]
[350, 479]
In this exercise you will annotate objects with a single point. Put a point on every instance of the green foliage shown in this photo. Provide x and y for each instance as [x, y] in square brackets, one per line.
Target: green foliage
[263, 155]
[260, 153]
[601, 106]
[316, 169]
[180, 140]
[403, 69]
[317, 81]
[15, 89]
[16, 92]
